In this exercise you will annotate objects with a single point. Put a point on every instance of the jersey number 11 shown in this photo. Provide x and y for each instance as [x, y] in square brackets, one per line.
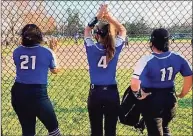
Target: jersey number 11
[163, 71]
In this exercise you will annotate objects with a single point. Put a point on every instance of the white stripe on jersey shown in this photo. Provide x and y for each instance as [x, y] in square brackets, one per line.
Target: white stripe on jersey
[140, 65]
[119, 41]
[30, 47]
[163, 57]
[89, 41]
[178, 54]
[99, 48]
[53, 54]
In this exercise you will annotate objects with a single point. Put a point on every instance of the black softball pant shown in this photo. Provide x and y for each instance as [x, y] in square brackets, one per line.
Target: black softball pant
[158, 110]
[103, 101]
[30, 101]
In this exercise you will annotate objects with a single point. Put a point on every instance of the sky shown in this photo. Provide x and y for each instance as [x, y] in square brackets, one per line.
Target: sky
[166, 12]
[154, 13]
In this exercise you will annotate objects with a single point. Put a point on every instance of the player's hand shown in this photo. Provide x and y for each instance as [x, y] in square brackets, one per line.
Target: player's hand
[101, 11]
[143, 95]
[53, 43]
[107, 14]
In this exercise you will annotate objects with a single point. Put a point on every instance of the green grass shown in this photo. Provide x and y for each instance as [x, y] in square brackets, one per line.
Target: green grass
[71, 42]
[68, 92]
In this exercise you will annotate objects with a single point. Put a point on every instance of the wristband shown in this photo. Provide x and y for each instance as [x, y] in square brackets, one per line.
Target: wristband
[93, 22]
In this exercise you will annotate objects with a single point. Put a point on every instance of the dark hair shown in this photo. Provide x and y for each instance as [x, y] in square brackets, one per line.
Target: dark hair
[104, 30]
[160, 39]
[31, 35]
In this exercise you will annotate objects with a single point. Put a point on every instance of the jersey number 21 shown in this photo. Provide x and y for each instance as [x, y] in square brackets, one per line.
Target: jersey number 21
[25, 61]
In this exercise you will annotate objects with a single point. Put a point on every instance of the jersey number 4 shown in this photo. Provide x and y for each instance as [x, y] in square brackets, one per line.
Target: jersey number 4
[163, 71]
[103, 62]
[25, 61]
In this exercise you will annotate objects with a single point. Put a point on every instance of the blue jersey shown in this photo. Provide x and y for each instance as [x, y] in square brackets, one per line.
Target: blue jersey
[159, 70]
[33, 63]
[102, 73]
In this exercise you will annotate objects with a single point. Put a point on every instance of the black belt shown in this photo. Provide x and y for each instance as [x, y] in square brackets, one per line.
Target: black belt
[102, 87]
[160, 90]
[30, 85]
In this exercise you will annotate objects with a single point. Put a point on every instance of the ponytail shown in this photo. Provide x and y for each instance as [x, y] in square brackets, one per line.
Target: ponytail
[105, 30]
[109, 44]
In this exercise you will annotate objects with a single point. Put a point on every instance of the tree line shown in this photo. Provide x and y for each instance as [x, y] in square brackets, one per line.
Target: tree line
[73, 24]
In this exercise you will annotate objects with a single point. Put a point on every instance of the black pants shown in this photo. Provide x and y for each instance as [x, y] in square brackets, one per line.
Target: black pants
[31, 101]
[158, 110]
[103, 101]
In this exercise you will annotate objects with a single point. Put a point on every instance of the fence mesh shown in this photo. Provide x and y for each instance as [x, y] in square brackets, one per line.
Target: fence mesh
[68, 90]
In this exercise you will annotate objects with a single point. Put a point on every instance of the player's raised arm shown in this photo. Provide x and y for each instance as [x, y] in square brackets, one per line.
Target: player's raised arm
[93, 22]
[119, 27]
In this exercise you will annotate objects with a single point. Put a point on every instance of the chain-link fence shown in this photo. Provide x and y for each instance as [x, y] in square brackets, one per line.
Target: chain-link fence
[69, 89]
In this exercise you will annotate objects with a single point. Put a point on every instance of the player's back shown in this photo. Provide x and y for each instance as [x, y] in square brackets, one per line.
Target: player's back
[102, 73]
[160, 70]
[32, 64]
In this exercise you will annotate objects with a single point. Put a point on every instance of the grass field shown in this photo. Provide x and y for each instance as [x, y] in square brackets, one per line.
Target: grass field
[68, 92]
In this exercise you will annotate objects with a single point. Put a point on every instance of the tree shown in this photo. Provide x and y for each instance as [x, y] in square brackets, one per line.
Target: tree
[45, 23]
[137, 28]
[183, 28]
[40, 17]
[11, 21]
[17, 14]
[74, 23]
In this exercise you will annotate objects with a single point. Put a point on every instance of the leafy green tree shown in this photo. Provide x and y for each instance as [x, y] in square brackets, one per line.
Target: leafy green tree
[137, 28]
[74, 23]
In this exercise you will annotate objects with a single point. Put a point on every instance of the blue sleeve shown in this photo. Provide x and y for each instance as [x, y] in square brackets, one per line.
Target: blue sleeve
[53, 62]
[186, 68]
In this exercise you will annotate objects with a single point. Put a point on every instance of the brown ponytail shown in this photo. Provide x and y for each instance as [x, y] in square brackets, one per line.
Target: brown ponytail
[109, 43]
[105, 30]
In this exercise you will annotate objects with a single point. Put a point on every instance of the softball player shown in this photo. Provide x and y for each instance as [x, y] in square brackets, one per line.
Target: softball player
[103, 99]
[29, 92]
[76, 36]
[155, 74]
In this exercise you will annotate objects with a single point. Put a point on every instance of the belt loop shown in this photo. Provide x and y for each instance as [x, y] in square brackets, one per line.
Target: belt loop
[92, 86]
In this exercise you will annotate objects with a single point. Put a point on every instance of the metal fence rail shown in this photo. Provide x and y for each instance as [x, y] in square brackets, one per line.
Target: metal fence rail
[68, 91]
